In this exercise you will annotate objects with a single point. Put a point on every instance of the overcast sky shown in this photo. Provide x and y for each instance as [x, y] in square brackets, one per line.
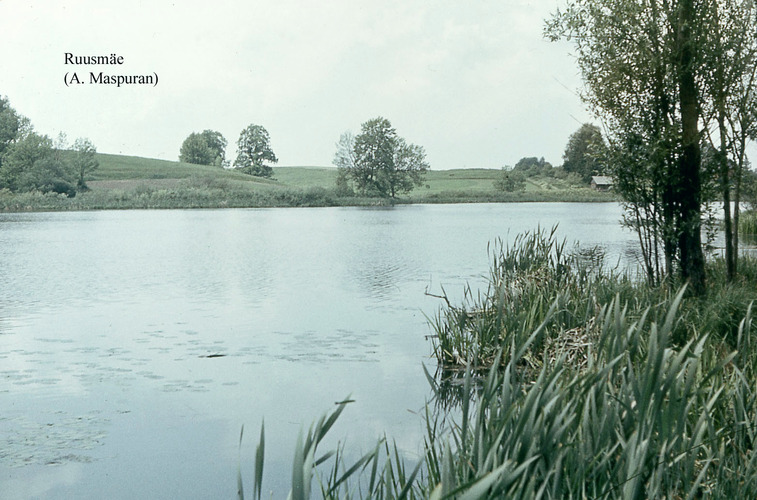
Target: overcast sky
[473, 82]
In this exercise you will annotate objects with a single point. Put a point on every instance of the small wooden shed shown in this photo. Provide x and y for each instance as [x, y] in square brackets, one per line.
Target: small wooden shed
[601, 182]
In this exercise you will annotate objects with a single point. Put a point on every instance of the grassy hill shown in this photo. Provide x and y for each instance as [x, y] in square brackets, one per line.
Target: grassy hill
[134, 182]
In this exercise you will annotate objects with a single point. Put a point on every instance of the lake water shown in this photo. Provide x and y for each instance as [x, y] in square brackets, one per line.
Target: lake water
[134, 345]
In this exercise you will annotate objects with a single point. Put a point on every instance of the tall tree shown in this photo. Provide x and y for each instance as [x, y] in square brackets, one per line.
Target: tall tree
[640, 60]
[205, 148]
[84, 161]
[688, 193]
[344, 160]
[729, 84]
[10, 125]
[379, 162]
[584, 152]
[254, 152]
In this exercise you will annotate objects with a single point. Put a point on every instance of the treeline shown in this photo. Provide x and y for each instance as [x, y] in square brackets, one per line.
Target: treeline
[584, 158]
[375, 163]
[30, 161]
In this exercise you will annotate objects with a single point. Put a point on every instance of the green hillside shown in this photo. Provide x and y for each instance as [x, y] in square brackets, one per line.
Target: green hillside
[126, 182]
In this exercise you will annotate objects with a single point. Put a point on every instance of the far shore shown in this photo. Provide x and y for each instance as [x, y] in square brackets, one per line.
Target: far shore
[127, 182]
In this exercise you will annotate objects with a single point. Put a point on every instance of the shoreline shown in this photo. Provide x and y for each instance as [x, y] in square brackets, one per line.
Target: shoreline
[192, 198]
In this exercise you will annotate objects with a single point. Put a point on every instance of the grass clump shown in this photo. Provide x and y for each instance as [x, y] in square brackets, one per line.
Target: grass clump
[642, 418]
[527, 279]
[537, 272]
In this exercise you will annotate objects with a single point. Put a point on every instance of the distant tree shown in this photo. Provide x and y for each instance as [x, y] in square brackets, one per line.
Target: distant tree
[31, 164]
[217, 144]
[195, 150]
[511, 181]
[344, 159]
[61, 144]
[10, 125]
[532, 165]
[205, 148]
[584, 152]
[83, 161]
[49, 174]
[20, 156]
[379, 162]
[254, 152]
[30, 161]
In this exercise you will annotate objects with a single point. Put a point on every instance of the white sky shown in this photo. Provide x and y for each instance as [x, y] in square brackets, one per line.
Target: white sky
[473, 82]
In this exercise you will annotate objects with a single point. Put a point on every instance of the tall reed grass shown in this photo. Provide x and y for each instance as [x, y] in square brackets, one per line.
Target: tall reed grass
[748, 226]
[575, 382]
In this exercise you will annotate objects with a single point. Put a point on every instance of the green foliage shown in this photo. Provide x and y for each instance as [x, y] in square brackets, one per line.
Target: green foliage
[511, 181]
[83, 161]
[749, 188]
[748, 225]
[343, 187]
[379, 162]
[20, 156]
[640, 62]
[30, 162]
[526, 279]
[10, 124]
[254, 152]
[48, 174]
[532, 166]
[205, 148]
[584, 152]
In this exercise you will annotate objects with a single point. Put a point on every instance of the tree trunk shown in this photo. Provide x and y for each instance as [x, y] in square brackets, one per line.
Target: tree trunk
[688, 193]
[725, 186]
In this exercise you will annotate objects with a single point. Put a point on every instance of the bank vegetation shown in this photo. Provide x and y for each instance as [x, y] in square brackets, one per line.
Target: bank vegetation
[566, 378]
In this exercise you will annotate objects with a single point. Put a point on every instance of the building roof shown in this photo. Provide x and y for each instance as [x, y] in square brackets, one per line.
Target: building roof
[601, 180]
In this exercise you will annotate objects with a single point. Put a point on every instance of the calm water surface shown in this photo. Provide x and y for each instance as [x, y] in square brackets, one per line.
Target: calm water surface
[134, 345]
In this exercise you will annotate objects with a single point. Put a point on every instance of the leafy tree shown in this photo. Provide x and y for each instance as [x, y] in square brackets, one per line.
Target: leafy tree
[83, 161]
[379, 162]
[20, 156]
[32, 164]
[344, 159]
[205, 148]
[640, 60]
[254, 152]
[9, 123]
[729, 84]
[195, 150]
[532, 165]
[584, 152]
[48, 174]
[511, 181]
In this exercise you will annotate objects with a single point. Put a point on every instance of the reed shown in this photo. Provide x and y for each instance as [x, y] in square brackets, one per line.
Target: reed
[748, 224]
[526, 278]
[641, 418]
[381, 473]
[573, 381]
